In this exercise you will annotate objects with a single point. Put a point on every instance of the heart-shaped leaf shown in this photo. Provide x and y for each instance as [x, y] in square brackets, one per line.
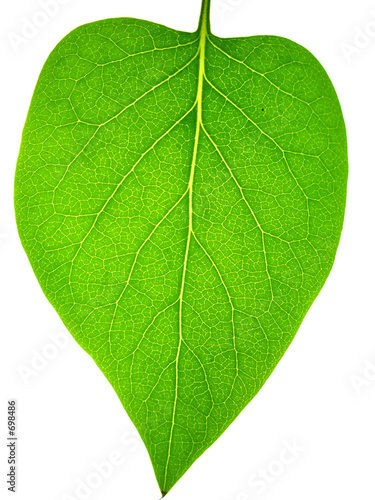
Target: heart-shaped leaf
[181, 198]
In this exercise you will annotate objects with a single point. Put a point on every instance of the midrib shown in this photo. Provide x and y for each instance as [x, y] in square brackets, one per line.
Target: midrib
[203, 26]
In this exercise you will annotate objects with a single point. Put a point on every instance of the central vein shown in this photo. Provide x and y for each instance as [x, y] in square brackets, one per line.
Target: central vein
[203, 28]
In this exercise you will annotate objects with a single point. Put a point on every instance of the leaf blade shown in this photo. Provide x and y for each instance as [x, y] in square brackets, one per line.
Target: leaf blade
[171, 223]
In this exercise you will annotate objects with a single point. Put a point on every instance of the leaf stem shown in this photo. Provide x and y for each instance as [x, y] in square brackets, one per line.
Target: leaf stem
[204, 19]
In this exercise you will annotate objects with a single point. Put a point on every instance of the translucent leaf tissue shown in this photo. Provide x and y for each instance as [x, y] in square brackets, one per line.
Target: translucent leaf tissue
[180, 198]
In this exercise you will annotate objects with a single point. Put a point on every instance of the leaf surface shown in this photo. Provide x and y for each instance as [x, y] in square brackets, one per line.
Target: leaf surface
[180, 198]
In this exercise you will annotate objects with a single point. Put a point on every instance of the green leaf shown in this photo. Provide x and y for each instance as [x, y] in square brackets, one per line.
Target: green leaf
[181, 198]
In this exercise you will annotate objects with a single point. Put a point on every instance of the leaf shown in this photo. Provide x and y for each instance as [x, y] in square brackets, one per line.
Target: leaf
[181, 198]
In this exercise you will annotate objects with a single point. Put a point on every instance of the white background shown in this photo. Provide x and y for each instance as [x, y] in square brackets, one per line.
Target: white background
[321, 395]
